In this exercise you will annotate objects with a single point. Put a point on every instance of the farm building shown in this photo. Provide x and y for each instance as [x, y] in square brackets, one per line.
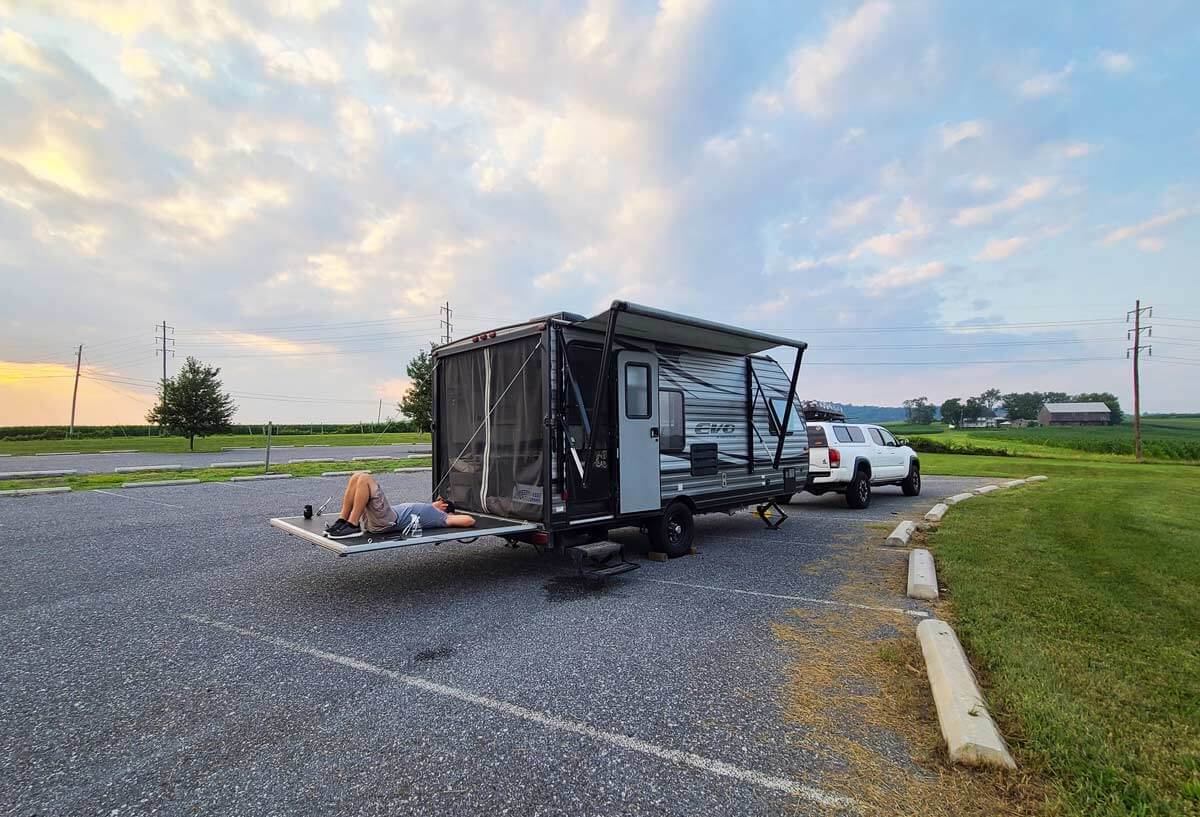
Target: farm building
[1075, 414]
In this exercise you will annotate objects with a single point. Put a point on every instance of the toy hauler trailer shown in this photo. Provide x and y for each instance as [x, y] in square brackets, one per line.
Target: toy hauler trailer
[555, 430]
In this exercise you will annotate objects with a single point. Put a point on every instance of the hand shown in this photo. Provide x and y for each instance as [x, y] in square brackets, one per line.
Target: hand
[440, 504]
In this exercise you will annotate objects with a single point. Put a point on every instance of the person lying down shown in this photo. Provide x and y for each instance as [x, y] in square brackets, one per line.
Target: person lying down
[365, 509]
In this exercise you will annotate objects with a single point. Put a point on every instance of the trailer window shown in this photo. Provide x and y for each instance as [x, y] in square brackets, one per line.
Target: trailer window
[775, 415]
[637, 391]
[672, 427]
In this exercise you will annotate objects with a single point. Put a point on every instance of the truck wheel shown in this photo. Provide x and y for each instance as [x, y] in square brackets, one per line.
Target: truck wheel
[858, 492]
[672, 533]
[912, 483]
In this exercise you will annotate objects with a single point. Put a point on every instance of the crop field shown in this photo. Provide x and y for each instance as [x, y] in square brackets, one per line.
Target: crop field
[1177, 439]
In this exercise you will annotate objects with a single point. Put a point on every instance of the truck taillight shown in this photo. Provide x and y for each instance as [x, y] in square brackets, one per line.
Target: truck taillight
[835, 458]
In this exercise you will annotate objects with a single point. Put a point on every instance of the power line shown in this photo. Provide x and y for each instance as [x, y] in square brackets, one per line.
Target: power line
[808, 362]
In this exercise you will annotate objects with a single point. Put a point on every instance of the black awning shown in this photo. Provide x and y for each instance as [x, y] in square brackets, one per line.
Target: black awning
[647, 323]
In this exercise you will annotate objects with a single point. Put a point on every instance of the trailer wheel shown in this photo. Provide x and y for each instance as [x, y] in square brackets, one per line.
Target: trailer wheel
[672, 533]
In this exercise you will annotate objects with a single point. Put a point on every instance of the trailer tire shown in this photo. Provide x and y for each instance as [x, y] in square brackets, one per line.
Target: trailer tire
[911, 486]
[673, 532]
[858, 492]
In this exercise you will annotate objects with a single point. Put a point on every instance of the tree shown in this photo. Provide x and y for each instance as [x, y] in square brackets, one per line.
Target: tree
[1108, 399]
[417, 404]
[1023, 405]
[192, 404]
[990, 399]
[918, 411]
[952, 411]
[973, 409]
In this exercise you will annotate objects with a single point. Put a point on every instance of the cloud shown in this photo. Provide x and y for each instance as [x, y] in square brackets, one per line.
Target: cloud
[819, 70]
[953, 135]
[853, 212]
[310, 66]
[1033, 190]
[997, 249]
[892, 245]
[1046, 84]
[1151, 244]
[1143, 227]
[1115, 62]
[1072, 150]
[17, 49]
[903, 275]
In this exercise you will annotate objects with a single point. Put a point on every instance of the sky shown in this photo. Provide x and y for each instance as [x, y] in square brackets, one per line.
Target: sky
[938, 197]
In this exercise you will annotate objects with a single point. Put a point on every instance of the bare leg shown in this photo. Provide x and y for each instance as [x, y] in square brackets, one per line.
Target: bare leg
[348, 497]
[362, 492]
[460, 520]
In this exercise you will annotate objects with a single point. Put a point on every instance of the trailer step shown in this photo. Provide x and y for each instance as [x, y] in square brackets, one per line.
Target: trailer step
[600, 559]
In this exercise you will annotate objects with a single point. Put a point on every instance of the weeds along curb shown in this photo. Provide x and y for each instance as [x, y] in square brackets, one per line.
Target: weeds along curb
[135, 469]
[158, 483]
[241, 464]
[258, 477]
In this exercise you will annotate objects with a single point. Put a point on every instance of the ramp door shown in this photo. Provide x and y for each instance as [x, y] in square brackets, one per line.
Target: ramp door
[313, 530]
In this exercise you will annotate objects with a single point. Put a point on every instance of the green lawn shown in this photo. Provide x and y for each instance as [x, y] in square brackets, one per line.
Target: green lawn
[914, 428]
[301, 469]
[177, 444]
[1079, 602]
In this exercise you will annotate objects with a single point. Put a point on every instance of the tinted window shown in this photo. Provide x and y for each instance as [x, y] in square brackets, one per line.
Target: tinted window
[842, 433]
[671, 426]
[637, 391]
[888, 439]
[856, 434]
[817, 438]
[876, 436]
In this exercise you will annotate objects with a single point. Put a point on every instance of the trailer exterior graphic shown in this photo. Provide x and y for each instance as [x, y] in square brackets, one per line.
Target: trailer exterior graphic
[632, 417]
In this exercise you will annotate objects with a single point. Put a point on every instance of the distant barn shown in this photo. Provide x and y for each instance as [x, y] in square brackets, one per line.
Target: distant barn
[1075, 414]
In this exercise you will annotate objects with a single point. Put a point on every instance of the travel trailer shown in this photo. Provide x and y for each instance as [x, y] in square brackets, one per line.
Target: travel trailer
[555, 430]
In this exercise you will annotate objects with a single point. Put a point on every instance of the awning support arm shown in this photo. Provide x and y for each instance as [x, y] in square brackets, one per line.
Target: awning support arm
[787, 411]
[601, 381]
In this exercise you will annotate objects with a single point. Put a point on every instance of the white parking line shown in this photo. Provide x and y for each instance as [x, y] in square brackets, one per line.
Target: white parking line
[805, 599]
[136, 498]
[695, 761]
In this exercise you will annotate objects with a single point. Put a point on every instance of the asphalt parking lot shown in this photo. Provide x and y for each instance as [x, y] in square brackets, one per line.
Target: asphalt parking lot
[105, 463]
[168, 652]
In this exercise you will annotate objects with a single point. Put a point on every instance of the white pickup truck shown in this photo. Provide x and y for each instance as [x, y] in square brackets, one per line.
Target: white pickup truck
[849, 458]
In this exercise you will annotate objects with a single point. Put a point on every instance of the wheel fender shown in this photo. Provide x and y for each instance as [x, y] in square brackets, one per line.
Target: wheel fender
[862, 462]
[913, 462]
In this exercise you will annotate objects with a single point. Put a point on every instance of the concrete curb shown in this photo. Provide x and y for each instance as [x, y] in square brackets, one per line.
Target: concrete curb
[133, 469]
[158, 483]
[57, 453]
[922, 577]
[312, 459]
[314, 445]
[986, 489]
[260, 476]
[244, 448]
[957, 498]
[1012, 483]
[413, 469]
[937, 512]
[58, 489]
[342, 473]
[245, 464]
[5, 455]
[970, 733]
[1038, 478]
[119, 451]
[377, 457]
[62, 472]
[900, 535]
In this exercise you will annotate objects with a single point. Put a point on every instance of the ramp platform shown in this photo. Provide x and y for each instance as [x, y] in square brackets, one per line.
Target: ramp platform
[313, 530]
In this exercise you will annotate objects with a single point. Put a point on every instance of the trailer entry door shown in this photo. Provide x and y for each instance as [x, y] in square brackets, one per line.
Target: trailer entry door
[637, 438]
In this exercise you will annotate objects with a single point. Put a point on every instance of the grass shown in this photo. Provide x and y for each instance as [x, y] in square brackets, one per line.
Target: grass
[1079, 602]
[1175, 439]
[83, 482]
[914, 428]
[203, 444]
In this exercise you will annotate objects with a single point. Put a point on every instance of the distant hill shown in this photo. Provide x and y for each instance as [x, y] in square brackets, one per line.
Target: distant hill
[874, 414]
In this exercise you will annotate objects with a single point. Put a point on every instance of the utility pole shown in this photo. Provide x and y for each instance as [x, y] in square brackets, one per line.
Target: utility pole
[1136, 350]
[165, 339]
[445, 322]
[75, 393]
[379, 414]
